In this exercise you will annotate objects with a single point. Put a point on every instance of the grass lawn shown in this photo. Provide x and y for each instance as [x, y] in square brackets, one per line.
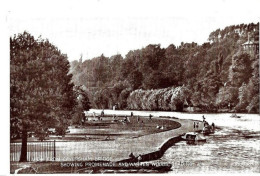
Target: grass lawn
[110, 128]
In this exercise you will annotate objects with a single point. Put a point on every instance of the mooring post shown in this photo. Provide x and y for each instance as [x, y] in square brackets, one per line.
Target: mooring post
[54, 151]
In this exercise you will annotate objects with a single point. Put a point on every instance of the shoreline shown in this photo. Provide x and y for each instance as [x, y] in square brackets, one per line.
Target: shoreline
[97, 165]
[155, 152]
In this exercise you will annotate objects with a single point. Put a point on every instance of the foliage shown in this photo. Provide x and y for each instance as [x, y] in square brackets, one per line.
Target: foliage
[82, 104]
[159, 99]
[212, 73]
[41, 94]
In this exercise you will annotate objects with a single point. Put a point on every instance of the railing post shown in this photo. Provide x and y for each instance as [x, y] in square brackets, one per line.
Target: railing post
[54, 151]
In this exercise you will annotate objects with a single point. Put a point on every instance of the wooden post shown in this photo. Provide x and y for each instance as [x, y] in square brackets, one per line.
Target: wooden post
[47, 151]
[54, 151]
[13, 156]
[28, 151]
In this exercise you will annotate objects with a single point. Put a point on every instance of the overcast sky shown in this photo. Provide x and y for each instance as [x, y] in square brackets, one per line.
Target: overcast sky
[94, 27]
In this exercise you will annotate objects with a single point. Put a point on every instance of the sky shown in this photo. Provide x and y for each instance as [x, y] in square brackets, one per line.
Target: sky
[110, 27]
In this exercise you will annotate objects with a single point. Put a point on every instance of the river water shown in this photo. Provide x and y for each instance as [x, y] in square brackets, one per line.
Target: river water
[233, 148]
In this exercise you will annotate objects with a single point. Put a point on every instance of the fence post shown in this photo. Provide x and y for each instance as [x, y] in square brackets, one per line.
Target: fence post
[54, 151]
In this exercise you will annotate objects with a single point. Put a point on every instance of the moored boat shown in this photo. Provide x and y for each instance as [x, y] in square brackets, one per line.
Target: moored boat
[235, 116]
[193, 136]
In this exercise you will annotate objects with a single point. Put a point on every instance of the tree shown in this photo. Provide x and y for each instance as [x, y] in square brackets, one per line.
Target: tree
[213, 72]
[41, 94]
[151, 57]
[130, 63]
[172, 66]
[135, 79]
[83, 104]
[153, 80]
[253, 89]
[115, 63]
[240, 70]
[101, 73]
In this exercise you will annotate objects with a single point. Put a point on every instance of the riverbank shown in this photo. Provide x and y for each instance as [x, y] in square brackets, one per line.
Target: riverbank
[149, 147]
[178, 152]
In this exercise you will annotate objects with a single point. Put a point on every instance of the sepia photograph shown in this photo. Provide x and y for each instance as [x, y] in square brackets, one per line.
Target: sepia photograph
[132, 87]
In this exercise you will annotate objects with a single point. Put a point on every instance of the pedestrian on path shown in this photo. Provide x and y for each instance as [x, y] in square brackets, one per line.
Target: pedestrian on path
[139, 158]
[213, 126]
[203, 118]
[102, 113]
[197, 125]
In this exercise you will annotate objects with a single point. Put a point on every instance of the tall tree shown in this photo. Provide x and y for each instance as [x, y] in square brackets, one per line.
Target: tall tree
[240, 70]
[83, 104]
[41, 94]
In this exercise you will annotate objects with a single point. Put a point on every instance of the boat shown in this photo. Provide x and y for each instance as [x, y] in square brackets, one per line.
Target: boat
[193, 136]
[235, 116]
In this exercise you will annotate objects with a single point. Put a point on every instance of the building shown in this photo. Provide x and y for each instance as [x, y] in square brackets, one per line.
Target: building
[251, 46]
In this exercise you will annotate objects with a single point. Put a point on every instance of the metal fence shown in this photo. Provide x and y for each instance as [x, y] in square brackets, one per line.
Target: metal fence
[36, 151]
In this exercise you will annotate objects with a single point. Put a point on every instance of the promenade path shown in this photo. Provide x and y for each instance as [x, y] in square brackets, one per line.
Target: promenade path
[121, 148]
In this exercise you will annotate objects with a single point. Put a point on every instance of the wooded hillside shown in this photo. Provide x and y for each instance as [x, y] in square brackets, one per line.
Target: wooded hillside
[218, 75]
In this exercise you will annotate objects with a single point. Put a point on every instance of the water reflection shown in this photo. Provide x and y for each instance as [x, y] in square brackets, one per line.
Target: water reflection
[227, 150]
[234, 147]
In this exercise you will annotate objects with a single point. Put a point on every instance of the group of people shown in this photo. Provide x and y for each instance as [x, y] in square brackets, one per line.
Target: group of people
[196, 125]
[133, 157]
[206, 125]
[125, 120]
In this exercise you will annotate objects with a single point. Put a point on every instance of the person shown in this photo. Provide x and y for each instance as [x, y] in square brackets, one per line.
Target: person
[132, 114]
[197, 125]
[203, 130]
[194, 125]
[213, 126]
[150, 116]
[102, 113]
[139, 158]
[203, 118]
[131, 155]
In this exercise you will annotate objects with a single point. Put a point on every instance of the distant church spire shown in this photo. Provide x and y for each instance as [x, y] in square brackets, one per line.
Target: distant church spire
[80, 60]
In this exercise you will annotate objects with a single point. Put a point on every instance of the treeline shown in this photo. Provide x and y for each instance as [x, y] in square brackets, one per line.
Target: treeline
[167, 99]
[217, 75]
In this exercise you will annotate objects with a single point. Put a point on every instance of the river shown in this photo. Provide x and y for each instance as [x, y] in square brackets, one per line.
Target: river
[234, 147]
